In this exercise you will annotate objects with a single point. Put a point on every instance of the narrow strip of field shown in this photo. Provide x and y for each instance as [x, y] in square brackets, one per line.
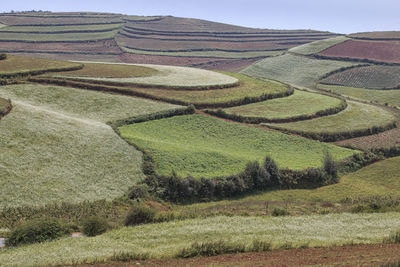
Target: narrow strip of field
[317, 46]
[357, 117]
[294, 69]
[165, 240]
[60, 29]
[371, 77]
[67, 37]
[378, 35]
[386, 139]
[202, 146]
[57, 147]
[299, 105]
[391, 97]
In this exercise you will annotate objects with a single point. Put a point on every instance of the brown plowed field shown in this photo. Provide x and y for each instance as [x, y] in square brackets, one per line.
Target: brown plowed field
[383, 51]
[108, 46]
[360, 255]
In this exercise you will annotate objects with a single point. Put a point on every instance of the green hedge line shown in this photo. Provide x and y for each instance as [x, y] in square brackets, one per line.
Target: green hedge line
[364, 60]
[132, 92]
[333, 137]
[21, 74]
[256, 120]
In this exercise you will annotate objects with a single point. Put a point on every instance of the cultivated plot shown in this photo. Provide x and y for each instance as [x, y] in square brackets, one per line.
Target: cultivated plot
[317, 46]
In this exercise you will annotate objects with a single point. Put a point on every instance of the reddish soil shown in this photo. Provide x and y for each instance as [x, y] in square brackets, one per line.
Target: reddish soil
[359, 255]
[382, 140]
[26, 20]
[165, 60]
[107, 46]
[384, 51]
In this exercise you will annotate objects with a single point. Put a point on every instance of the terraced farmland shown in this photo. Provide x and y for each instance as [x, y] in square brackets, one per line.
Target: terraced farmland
[356, 120]
[378, 35]
[309, 230]
[371, 77]
[294, 69]
[207, 147]
[57, 147]
[377, 51]
[303, 105]
[317, 46]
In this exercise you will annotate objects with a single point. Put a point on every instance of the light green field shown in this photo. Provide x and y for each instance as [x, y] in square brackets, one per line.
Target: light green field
[171, 76]
[27, 29]
[356, 116]
[165, 240]
[381, 96]
[219, 54]
[57, 147]
[298, 104]
[296, 70]
[318, 46]
[203, 146]
[58, 37]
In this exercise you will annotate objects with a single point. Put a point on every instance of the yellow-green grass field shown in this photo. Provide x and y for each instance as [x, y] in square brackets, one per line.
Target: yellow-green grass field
[292, 69]
[357, 116]
[166, 240]
[301, 103]
[318, 46]
[203, 146]
[56, 145]
[391, 97]
[110, 71]
[17, 64]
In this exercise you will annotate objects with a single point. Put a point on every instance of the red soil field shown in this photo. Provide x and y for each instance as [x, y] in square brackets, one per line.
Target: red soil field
[359, 255]
[165, 60]
[383, 51]
[31, 20]
[107, 46]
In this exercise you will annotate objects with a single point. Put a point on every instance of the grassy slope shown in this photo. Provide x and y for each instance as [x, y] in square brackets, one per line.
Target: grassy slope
[381, 96]
[356, 116]
[110, 71]
[20, 64]
[204, 146]
[166, 239]
[317, 46]
[56, 147]
[294, 69]
[300, 103]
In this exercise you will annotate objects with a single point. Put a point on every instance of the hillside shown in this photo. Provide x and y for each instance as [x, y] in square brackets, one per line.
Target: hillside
[137, 39]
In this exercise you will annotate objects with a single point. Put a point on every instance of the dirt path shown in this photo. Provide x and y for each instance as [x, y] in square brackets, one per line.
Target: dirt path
[359, 255]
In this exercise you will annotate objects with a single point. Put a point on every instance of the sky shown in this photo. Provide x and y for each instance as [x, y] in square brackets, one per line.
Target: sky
[340, 16]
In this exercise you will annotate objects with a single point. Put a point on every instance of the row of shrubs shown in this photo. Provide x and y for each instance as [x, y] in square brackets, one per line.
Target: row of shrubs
[333, 137]
[256, 120]
[21, 74]
[3, 56]
[132, 92]
[364, 60]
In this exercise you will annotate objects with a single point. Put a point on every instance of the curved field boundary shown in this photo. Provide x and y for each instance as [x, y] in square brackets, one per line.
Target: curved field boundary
[38, 71]
[342, 120]
[127, 19]
[256, 120]
[173, 77]
[151, 95]
[62, 32]
[60, 52]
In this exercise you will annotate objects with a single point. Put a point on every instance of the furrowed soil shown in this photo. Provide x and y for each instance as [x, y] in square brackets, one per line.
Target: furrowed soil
[359, 255]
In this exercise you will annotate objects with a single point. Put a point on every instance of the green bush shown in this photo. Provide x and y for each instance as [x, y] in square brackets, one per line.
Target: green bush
[36, 231]
[140, 214]
[279, 212]
[139, 191]
[3, 56]
[211, 248]
[94, 225]
[330, 165]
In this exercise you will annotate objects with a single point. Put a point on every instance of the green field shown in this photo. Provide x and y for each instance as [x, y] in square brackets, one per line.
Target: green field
[4, 106]
[57, 147]
[356, 116]
[317, 46]
[217, 54]
[50, 29]
[18, 64]
[203, 146]
[66, 37]
[371, 77]
[166, 240]
[296, 70]
[381, 96]
[110, 71]
[301, 103]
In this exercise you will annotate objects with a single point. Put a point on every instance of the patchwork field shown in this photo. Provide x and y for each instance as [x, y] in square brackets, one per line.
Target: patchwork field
[294, 69]
[202, 146]
[383, 35]
[386, 139]
[154, 240]
[380, 51]
[357, 117]
[60, 29]
[371, 77]
[57, 37]
[317, 46]
[302, 105]
[57, 147]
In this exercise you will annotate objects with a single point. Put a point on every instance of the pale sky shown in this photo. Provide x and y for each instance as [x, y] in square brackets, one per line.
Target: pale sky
[341, 16]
